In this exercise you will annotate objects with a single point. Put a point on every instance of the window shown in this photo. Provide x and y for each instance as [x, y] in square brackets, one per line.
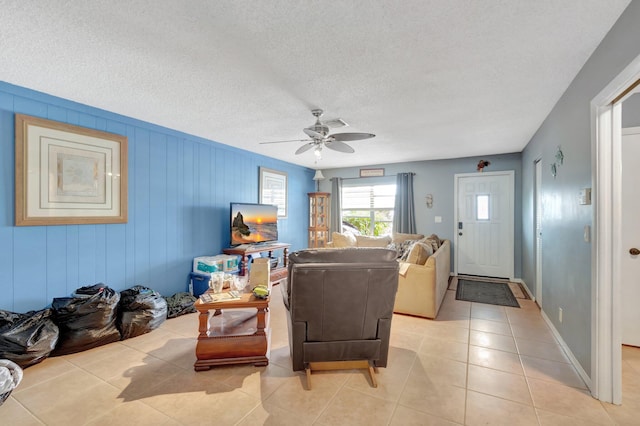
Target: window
[369, 208]
[482, 207]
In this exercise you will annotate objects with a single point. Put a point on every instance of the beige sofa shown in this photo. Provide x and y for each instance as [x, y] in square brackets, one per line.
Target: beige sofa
[421, 288]
[424, 274]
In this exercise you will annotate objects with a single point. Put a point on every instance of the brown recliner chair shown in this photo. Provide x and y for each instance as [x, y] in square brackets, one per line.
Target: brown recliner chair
[339, 307]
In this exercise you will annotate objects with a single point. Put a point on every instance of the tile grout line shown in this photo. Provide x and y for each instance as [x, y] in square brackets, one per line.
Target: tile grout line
[524, 372]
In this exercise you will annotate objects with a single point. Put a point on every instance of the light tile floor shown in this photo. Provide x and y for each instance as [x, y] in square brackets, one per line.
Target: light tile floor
[476, 364]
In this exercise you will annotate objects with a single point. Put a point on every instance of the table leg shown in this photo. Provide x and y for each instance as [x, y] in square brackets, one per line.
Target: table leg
[203, 324]
[244, 265]
[261, 321]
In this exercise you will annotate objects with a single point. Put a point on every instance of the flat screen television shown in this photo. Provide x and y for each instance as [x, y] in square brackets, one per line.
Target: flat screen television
[253, 223]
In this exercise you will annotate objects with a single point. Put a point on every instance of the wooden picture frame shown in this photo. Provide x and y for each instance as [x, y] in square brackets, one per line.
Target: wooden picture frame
[273, 190]
[66, 174]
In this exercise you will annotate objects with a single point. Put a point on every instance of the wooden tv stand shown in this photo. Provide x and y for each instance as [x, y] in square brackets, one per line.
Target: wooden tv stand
[278, 273]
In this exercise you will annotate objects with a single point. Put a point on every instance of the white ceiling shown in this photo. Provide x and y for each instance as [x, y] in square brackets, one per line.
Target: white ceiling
[432, 79]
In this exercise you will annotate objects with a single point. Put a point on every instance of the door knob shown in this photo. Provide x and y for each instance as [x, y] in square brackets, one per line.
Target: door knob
[634, 251]
[460, 233]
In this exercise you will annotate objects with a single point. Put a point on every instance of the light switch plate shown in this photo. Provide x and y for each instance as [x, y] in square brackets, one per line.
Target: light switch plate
[438, 219]
[584, 197]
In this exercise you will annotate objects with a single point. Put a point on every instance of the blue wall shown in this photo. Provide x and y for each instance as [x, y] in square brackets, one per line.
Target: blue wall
[436, 177]
[180, 187]
[566, 257]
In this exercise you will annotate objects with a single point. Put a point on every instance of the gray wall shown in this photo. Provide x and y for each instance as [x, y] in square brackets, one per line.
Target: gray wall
[566, 258]
[436, 177]
[631, 111]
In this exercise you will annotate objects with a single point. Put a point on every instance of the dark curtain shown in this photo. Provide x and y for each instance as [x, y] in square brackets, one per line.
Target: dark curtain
[336, 205]
[404, 214]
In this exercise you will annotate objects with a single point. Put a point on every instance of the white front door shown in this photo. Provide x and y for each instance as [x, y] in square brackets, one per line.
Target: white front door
[484, 224]
[630, 264]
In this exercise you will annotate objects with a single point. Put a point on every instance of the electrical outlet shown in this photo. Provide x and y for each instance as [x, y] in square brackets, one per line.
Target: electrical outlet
[560, 314]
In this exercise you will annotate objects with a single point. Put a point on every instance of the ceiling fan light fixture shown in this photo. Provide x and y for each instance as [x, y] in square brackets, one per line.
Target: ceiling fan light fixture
[320, 137]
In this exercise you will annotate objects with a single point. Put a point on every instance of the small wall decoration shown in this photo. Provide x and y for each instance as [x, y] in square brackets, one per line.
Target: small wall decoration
[559, 156]
[67, 174]
[559, 161]
[371, 172]
[482, 164]
[273, 190]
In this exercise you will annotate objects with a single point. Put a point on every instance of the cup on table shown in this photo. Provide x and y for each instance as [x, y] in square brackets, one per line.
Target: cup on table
[217, 282]
[240, 283]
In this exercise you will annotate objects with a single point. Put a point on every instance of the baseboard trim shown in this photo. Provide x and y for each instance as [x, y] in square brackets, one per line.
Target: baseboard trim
[525, 286]
[574, 361]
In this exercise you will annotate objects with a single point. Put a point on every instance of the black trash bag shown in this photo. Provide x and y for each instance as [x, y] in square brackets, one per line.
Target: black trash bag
[87, 319]
[180, 304]
[27, 339]
[141, 310]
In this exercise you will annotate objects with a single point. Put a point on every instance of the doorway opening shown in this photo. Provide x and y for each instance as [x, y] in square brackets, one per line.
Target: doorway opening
[606, 124]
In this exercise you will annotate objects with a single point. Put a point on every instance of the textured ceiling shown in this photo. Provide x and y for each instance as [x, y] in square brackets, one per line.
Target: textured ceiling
[432, 79]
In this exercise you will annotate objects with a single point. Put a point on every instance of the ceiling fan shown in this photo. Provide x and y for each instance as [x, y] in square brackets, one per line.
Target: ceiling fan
[320, 137]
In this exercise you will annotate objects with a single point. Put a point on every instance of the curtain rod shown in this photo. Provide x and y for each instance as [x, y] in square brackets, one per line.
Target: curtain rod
[369, 177]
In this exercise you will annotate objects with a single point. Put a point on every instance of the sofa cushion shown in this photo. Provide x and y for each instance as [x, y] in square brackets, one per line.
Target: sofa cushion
[419, 253]
[367, 241]
[343, 240]
[398, 237]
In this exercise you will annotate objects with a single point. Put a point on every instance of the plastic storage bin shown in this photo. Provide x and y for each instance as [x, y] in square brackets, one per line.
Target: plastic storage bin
[198, 283]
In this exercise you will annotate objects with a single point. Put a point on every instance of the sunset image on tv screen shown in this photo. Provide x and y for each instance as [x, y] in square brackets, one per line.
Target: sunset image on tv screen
[253, 223]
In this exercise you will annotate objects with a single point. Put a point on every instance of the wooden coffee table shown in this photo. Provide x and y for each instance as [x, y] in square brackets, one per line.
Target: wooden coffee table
[238, 333]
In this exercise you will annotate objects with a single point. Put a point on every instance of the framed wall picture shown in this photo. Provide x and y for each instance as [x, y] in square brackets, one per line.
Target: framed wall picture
[67, 174]
[273, 190]
[371, 172]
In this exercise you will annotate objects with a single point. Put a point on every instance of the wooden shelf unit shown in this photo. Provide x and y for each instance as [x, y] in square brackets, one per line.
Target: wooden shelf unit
[319, 211]
[278, 273]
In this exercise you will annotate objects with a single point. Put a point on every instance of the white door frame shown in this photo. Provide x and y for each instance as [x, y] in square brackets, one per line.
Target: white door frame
[606, 137]
[511, 234]
[537, 178]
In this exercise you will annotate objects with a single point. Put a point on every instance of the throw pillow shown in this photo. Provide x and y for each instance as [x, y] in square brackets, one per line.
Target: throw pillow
[436, 238]
[403, 248]
[343, 240]
[399, 237]
[419, 253]
[366, 241]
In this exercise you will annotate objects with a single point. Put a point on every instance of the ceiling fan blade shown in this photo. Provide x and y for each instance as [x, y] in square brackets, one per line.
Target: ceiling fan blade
[312, 133]
[339, 146]
[292, 140]
[351, 136]
[305, 147]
